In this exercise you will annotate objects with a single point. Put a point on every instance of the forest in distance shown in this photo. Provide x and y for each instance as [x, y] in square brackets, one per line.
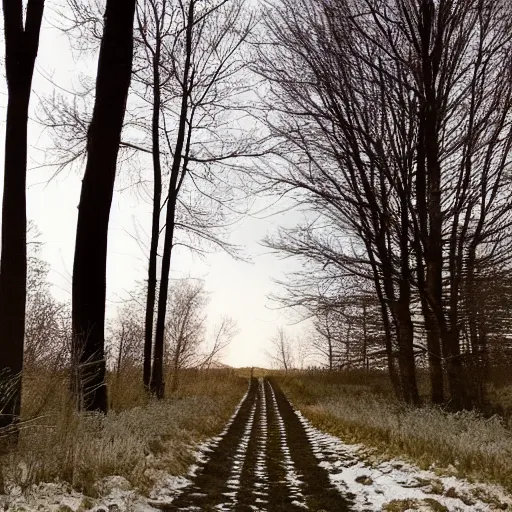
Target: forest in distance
[386, 126]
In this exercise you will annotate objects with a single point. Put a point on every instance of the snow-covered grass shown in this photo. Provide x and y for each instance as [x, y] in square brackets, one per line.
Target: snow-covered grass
[473, 446]
[137, 443]
[396, 485]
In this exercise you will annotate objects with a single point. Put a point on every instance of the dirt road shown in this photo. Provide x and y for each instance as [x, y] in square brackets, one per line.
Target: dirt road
[264, 462]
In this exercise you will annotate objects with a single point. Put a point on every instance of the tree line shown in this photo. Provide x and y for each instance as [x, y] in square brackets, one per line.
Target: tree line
[388, 123]
[179, 63]
[394, 122]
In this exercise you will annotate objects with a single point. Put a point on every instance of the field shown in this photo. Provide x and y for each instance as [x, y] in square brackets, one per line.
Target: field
[286, 442]
[359, 408]
[136, 440]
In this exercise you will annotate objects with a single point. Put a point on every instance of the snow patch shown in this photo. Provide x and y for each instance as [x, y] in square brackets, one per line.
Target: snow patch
[116, 492]
[292, 477]
[372, 486]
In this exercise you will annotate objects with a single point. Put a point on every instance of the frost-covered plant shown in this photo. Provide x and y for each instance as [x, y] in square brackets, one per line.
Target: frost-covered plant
[475, 445]
[134, 443]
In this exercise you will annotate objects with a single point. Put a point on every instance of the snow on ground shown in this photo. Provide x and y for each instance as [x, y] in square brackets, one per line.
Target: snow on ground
[292, 477]
[117, 494]
[261, 487]
[238, 463]
[370, 483]
[374, 485]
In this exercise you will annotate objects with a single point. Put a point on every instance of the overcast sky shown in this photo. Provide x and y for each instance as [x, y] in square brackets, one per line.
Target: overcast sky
[237, 288]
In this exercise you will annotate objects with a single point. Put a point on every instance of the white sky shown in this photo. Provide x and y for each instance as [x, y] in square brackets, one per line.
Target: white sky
[237, 289]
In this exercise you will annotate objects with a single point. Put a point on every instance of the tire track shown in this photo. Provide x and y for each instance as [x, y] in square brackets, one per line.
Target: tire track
[263, 462]
[253, 487]
[319, 493]
[234, 482]
[210, 489]
[280, 496]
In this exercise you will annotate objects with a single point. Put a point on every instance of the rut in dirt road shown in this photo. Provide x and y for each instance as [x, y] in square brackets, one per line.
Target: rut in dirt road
[263, 462]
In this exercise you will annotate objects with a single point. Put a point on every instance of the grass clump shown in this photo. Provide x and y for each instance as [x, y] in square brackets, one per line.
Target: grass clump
[400, 505]
[469, 444]
[410, 504]
[136, 440]
[435, 506]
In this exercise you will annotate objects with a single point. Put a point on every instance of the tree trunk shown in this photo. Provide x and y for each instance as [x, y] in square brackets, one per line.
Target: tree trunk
[455, 371]
[428, 187]
[435, 359]
[89, 269]
[478, 344]
[21, 46]
[406, 362]
[155, 226]
[405, 324]
[388, 339]
[365, 336]
[120, 356]
[157, 382]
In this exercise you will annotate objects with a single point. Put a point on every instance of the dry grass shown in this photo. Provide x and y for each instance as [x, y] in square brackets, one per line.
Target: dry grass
[137, 438]
[477, 447]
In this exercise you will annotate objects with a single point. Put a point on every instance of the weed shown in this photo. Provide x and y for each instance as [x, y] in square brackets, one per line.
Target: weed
[364, 480]
[435, 506]
[400, 505]
[134, 442]
[465, 444]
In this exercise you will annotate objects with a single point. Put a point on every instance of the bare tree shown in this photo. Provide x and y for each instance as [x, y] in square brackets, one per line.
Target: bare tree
[154, 27]
[47, 321]
[394, 121]
[185, 328]
[204, 203]
[104, 135]
[302, 350]
[333, 137]
[21, 46]
[223, 335]
[282, 350]
[205, 58]
[462, 55]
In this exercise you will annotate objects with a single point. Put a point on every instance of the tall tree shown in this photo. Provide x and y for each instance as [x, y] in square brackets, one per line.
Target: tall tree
[395, 123]
[21, 46]
[206, 63]
[153, 28]
[89, 270]
[200, 214]
[342, 156]
[176, 179]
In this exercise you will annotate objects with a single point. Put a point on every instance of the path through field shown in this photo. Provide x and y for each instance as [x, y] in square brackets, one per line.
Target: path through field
[264, 462]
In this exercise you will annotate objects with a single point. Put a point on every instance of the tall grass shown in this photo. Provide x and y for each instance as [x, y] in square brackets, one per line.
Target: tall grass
[476, 446]
[138, 437]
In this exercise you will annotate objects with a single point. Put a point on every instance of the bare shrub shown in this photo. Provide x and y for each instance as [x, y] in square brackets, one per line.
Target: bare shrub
[476, 446]
[133, 440]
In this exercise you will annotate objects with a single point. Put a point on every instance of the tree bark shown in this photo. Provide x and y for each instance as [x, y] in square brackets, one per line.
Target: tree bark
[386, 323]
[155, 224]
[157, 382]
[89, 269]
[365, 336]
[431, 325]
[21, 46]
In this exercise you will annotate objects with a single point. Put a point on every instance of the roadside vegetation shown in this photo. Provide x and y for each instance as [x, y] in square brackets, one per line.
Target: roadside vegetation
[139, 438]
[359, 407]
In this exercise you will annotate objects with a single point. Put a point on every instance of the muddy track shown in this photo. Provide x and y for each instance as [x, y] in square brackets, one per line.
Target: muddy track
[264, 462]
[318, 491]
[210, 487]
